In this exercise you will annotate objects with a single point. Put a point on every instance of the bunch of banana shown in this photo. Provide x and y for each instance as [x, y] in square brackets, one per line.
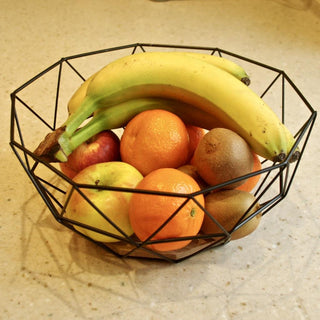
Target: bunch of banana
[190, 85]
[119, 115]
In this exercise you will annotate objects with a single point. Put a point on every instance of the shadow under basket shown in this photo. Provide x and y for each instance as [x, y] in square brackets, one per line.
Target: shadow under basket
[39, 107]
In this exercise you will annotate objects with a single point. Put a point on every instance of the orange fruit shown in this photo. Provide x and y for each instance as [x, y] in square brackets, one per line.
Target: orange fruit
[253, 181]
[155, 139]
[195, 135]
[148, 212]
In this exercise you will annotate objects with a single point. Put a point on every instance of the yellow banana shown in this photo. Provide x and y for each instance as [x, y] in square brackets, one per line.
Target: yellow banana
[291, 141]
[223, 63]
[196, 82]
[78, 96]
[119, 115]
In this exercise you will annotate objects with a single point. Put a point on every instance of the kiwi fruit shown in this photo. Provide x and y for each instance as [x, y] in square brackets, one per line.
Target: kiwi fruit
[223, 155]
[228, 208]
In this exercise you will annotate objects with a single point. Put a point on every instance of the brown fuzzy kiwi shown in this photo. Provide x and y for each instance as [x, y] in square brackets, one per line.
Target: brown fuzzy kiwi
[222, 155]
[228, 207]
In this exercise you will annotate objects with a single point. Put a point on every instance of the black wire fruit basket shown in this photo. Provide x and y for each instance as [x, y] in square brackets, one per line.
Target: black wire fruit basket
[39, 106]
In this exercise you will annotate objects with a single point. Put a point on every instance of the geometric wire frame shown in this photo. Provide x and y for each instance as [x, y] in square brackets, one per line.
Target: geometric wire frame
[275, 182]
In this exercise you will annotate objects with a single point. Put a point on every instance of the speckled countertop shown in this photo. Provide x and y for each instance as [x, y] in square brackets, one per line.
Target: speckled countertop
[48, 272]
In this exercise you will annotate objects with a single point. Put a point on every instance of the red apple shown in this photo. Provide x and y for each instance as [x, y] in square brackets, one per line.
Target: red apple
[69, 172]
[103, 147]
[113, 204]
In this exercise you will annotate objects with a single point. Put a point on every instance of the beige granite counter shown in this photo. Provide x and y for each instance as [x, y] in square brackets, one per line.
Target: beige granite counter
[48, 272]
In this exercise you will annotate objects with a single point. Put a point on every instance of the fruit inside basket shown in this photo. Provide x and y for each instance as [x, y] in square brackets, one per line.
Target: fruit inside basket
[45, 114]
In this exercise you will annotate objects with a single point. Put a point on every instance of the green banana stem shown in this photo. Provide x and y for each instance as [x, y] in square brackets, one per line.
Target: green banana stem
[87, 107]
[98, 123]
[104, 120]
[68, 144]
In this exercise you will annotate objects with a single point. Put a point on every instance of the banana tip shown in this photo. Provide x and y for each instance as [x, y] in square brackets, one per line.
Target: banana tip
[295, 156]
[280, 157]
[246, 80]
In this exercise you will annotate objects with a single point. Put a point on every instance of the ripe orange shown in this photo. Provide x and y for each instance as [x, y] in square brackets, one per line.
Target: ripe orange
[195, 135]
[148, 212]
[155, 139]
[253, 181]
